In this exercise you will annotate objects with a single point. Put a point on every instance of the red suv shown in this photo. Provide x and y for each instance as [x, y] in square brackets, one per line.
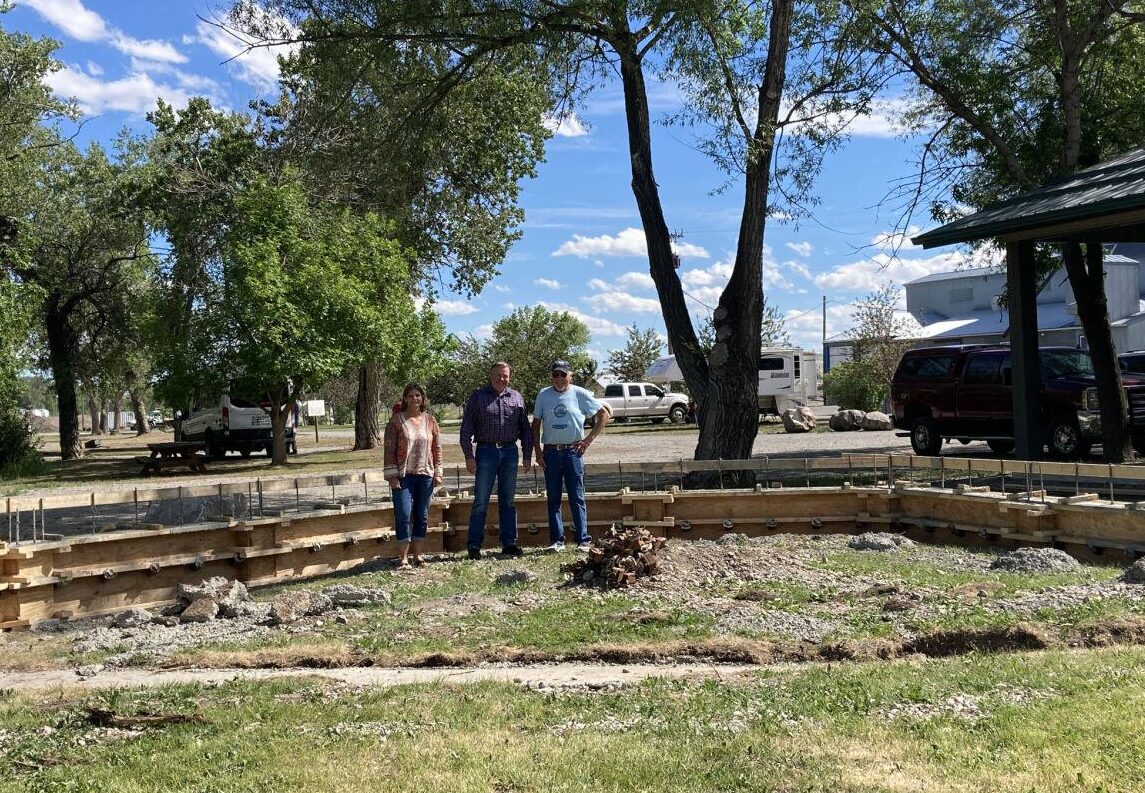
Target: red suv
[964, 392]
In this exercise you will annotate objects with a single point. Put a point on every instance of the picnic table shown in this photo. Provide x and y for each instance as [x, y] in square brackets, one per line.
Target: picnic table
[175, 454]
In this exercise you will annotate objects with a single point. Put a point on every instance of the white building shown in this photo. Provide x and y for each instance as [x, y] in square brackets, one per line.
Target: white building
[963, 307]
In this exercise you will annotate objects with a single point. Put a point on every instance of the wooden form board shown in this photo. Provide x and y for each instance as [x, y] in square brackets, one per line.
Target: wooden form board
[103, 573]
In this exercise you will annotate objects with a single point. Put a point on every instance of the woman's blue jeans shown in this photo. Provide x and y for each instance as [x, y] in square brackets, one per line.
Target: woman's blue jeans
[411, 504]
[564, 467]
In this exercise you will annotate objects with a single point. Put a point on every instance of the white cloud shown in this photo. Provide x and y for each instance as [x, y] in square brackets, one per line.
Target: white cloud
[502, 289]
[549, 283]
[875, 272]
[802, 248]
[630, 280]
[483, 331]
[629, 242]
[596, 325]
[257, 67]
[622, 301]
[135, 93]
[83, 24]
[633, 280]
[799, 268]
[566, 126]
[455, 308]
[72, 18]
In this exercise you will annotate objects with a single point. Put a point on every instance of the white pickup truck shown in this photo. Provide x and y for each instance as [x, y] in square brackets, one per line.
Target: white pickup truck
[645, 401]
[231, 424]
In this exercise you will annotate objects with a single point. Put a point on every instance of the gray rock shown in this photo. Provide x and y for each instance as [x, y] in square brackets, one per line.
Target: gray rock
[134, 617]
[798, 420]
[235, 600]
[1135, 573]
[213, 588]
[516, 577]
[879, 541]
[202, 610]
[1036, 560]
[877, 422]
[48, 626]
[846, 420]
[348, 595]
[292, 606]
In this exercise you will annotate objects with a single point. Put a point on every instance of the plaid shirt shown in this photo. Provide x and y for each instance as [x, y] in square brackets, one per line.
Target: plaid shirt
[490, 417]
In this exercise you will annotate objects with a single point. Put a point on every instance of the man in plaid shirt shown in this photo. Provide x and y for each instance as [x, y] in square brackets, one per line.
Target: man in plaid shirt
[494, 420]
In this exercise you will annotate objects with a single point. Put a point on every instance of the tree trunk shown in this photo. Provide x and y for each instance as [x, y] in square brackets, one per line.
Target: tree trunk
[61, 349]
[1087, 279]
[142, 425]
[93, 412]
[117, 412]
[367, 428]
[725, 385]
[282, 400]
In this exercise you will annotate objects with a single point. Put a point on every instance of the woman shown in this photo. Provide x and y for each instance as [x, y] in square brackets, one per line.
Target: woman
[413, 468]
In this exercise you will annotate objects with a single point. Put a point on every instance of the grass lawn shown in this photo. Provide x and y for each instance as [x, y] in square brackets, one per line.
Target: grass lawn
[1059, 721]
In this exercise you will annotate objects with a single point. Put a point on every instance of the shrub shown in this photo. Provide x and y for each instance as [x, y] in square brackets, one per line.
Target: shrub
[19, 450]
[853, 385]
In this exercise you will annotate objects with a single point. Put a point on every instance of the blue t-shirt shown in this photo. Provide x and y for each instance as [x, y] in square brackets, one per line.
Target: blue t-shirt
[562, 413]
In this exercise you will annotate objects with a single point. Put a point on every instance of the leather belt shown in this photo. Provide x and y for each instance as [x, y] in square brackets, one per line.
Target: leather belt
[497, 445]
[560, 447]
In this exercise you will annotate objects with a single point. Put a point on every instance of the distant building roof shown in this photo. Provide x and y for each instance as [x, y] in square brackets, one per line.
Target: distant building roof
[953, 275]
[1108, 196]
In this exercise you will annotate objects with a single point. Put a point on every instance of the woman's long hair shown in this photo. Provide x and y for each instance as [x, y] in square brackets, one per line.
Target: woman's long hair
[421, 390]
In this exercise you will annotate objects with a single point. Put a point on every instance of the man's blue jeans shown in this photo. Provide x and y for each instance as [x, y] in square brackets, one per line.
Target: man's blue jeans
[564, 467]
[411, 504]
[499, 464]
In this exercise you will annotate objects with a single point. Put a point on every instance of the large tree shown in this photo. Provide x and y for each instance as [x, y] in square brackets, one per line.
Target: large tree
[27, 112]
[1011, 95]
[361, 118]
[84, 250]
[731, 61]
[306, 292]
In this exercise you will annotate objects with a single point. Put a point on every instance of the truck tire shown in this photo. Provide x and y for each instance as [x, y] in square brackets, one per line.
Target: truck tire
[1000, 446]
[213, 449]
[678, 414]
[1065, 439]
[924, 437]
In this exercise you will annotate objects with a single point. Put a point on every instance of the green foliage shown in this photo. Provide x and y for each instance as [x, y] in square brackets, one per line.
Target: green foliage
[19, 450]
[529, 340]
[374, 131]
[852, 384]
[305, 296]
[631, 363]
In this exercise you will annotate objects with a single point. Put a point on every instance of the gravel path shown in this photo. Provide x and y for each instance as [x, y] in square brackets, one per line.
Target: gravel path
[538, 677]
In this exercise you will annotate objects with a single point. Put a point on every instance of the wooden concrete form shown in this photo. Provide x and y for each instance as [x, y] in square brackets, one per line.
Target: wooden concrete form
[106, 572]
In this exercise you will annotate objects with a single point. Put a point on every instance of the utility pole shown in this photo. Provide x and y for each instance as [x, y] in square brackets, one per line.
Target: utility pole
[824, 321]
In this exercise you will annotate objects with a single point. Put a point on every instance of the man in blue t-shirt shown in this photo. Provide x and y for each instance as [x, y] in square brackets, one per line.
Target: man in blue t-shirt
[561, 410]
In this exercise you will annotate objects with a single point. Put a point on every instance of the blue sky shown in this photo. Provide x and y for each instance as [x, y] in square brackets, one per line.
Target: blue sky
[582, 248]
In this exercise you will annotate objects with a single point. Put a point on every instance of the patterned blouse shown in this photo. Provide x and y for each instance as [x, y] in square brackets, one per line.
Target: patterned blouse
[412, 447]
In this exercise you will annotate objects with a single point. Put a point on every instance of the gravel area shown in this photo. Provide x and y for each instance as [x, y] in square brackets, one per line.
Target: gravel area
[777, 587]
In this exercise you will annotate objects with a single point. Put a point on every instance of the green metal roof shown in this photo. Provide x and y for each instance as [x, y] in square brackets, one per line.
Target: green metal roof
[1108, 188]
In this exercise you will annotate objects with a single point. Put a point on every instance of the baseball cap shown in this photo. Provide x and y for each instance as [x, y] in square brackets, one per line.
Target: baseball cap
[561, 366]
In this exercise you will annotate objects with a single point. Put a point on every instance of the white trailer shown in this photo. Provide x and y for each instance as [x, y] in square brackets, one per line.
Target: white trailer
[787, 377]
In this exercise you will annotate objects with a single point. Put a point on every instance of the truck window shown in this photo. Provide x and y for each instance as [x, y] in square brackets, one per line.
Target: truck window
[634, 390]
[1066, 363]
[614, 391]
[982, 369]
[927, 367]
[652, 391]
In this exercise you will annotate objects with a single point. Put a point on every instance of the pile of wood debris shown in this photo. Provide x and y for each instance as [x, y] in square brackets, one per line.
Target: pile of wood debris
[619, 557]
